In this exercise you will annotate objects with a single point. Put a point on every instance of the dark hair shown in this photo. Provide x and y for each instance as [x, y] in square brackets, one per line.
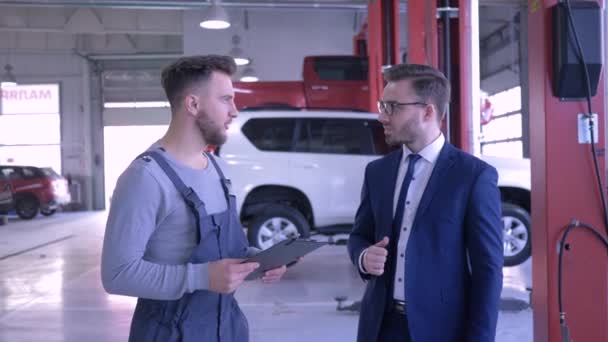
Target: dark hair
[428, 83]
[186, 71]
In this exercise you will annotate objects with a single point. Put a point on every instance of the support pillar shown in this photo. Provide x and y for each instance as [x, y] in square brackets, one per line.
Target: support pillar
[564, 187]
[382, 44]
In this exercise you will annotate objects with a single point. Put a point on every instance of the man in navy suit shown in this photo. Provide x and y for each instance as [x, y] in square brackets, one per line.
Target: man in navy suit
[428, 233]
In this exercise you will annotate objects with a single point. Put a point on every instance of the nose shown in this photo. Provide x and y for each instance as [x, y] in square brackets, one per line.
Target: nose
[234, 112]
[382, 118]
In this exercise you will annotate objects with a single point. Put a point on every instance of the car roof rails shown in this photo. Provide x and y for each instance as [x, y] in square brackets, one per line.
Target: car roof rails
[271, 106]
[278, 106]
[342, 109]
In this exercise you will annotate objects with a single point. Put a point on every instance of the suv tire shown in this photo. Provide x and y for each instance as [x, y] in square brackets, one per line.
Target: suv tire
[276, 223]
[517, 238]
[27, 207]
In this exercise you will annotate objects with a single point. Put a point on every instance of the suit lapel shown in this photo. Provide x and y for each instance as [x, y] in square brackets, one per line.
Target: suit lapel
[443, 164]
[387, 192]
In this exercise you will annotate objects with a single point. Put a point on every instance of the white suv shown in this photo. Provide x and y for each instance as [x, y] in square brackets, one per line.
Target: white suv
[301, 172]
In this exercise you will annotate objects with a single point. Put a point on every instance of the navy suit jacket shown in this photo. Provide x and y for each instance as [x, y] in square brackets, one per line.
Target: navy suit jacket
[454, 256]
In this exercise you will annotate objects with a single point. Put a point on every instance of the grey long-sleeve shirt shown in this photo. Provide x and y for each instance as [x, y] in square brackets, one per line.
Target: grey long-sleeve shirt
[151, 233]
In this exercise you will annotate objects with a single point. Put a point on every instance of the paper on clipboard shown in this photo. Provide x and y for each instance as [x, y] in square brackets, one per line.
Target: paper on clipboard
[283, 253]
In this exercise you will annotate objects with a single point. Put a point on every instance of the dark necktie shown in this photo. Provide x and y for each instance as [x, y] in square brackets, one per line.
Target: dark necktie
[398, 218]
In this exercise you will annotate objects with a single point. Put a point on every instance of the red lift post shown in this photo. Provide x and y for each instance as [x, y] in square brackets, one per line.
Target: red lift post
[564, 187]
[382, 44]
[563, 178]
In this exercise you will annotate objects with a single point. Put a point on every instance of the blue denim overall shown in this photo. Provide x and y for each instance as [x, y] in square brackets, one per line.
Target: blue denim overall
[202, 315]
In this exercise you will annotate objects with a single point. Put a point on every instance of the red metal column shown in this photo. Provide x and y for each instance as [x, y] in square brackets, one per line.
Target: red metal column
[422, 33]
[374, 53]
[463, 120]
[563, 187]
[381, 35]
[460, 57]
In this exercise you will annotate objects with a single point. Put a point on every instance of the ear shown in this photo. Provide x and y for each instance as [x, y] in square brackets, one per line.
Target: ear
[191, 103]
[430, 112]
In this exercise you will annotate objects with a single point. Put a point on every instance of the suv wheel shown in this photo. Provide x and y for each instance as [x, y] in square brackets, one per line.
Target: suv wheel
[517, 240]
[276, 223]
[27, 208]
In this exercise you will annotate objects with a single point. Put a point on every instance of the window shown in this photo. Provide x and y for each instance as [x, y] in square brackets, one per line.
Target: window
[270, 134]
[48, 172]
[31, 172]
[502, 136]
[36, 155]
[30, 129]
[340, 136]
[10, 173]
[342, 68]
[30, 125]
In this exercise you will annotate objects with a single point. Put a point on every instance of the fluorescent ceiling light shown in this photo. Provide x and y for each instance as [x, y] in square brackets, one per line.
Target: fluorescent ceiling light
[237, 53]
[249, 79]
[249, 75]
[215, 18]
[239, 56]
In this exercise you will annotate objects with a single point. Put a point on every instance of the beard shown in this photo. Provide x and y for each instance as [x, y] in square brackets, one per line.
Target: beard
[401, 137]
[390, 141]
[394, 139]
[212, 133]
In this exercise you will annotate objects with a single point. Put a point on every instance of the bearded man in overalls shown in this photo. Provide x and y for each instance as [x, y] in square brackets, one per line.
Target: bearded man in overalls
[173, 238]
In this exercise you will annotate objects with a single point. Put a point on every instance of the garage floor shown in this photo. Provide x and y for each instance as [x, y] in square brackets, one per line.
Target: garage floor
[50, 290]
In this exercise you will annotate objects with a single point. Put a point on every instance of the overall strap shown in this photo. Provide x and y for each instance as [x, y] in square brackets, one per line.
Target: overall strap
[226, 184]
[189, 195]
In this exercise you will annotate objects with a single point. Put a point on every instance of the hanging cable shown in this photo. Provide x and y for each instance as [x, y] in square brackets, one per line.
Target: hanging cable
[589, 114]
[562, 246]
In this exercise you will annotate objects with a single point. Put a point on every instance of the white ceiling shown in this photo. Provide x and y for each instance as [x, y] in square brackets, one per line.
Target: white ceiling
[156, 27]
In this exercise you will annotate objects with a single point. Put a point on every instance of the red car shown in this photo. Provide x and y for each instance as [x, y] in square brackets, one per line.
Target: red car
[35, 189]
[336, 82]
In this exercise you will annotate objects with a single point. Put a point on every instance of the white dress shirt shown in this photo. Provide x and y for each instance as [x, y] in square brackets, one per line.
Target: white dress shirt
[422, 172]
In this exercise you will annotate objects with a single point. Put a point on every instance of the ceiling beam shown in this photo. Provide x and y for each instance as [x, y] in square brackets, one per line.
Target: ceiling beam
[192, 4]
[105, 31]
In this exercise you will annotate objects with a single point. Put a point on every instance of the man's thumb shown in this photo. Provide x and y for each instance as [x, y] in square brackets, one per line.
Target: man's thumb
[382, 243]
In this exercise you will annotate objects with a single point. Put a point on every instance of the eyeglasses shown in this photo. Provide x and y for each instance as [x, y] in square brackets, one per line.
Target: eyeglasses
[388, 107]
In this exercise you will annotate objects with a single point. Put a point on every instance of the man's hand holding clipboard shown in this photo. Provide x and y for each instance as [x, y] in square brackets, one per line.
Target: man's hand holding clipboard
[286, 252]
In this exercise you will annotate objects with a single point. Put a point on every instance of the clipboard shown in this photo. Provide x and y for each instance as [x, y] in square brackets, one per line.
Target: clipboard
[283, 253]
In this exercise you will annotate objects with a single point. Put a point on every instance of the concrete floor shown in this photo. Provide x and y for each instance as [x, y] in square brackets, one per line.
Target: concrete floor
[50, 290]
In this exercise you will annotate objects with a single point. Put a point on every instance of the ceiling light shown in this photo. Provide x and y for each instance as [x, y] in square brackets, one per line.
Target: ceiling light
[237, 53]
[249, 75]
[215, 17]
[8, 78]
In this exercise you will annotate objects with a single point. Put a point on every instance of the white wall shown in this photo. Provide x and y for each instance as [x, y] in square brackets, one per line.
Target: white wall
[277, 39]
